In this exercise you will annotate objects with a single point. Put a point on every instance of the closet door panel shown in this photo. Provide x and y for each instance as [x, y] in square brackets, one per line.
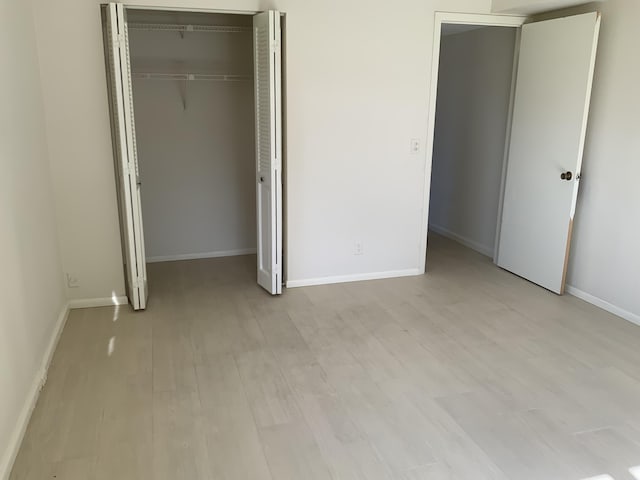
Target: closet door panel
[267, 82]
[125, 152]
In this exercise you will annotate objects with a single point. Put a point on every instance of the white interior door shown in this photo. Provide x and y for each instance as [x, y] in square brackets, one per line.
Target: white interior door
[267, 77]
[553, 88]
[123, 127]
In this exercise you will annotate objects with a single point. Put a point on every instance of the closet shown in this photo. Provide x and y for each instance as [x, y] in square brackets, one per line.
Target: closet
[196, 128]
[193, 105]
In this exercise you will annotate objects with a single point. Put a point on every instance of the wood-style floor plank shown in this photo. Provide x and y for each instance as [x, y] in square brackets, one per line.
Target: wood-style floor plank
[467, 372]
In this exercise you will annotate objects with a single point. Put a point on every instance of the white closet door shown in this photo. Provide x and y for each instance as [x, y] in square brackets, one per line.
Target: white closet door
[126, 155]
[553, 89]
[267, 73]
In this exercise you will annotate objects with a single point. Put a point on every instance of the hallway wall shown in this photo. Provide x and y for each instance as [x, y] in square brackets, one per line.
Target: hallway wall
[474, 88]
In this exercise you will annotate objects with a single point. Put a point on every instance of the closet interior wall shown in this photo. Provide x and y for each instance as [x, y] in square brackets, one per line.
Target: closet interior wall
[195, 135]
[472, 111]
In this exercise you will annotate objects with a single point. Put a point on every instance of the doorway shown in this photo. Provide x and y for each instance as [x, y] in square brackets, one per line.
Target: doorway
[194, 117]
[197, 129]
[542, 151]
[472, 115]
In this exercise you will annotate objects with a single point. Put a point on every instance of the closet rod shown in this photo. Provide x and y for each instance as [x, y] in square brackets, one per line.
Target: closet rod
[191, 76]
[167, 27]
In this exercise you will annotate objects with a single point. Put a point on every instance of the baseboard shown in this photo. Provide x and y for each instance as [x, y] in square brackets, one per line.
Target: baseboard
[467, 242]
[98, 302]
[353, 278]
[603, 304]
[195, 256]
[30, 402]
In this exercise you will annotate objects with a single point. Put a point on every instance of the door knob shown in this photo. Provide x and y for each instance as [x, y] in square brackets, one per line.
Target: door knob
[566, 175]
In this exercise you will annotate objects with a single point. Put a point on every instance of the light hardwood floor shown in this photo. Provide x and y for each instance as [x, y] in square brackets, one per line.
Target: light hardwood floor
[468, 372]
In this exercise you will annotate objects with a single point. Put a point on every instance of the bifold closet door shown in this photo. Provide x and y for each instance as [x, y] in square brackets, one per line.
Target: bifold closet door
[124, 139]
[553, 88]
[267, 83]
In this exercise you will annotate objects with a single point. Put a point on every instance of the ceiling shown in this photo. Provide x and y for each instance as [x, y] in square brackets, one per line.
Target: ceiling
[530, 7]
[453, 28]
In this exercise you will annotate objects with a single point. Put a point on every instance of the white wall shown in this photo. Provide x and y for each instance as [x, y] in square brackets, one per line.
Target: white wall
[605, 257]
[357, 86]
[356, 95]
[31, 291]
[471, 119]
[197, 164]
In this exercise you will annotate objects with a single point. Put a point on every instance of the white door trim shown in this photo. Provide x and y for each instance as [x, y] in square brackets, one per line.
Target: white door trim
[507, 144]
[440, 18]
[191, 10]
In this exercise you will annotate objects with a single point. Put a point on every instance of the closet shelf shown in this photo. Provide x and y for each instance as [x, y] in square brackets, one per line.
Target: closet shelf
[192, 76]
[168, 27]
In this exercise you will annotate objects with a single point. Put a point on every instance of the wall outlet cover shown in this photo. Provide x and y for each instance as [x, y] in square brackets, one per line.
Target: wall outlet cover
[72, 281]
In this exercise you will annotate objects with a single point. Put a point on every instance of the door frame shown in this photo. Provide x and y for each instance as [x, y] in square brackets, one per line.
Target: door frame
[283, 95]
[487, 20]
[133, 6]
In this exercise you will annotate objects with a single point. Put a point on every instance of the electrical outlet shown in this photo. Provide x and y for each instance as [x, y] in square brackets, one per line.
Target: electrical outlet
[72, 281]
[358, 249]
[415, 146]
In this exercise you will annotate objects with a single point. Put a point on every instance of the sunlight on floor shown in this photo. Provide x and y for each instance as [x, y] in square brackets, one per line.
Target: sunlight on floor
[634, 471]
[111, 346]
[116, 311]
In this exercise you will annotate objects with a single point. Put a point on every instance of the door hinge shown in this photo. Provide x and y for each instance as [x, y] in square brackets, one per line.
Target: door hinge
[120, 40]
[132, 172]
[275, 45]
[138, 282]
[130, 169]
